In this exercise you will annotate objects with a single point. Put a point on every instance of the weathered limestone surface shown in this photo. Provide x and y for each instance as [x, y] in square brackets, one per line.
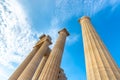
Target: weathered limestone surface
[99, 63]
[29, 71]
[23, 65]
[41, 65]
[51, 68]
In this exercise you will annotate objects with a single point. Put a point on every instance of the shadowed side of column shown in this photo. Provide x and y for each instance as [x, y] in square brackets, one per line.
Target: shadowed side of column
[29, 71]
[99, 63]
[23, 65]
[41, 65]
[51, 68]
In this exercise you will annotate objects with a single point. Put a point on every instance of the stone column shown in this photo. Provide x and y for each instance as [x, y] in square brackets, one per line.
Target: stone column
[20, 69]
[22, 66]
[61, 75]
[28, 72]
[41, 65]
[99, 63]
[51, 68]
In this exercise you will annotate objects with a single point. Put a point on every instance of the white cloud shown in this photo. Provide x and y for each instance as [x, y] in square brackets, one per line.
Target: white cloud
[3, 74]
[52, 31]
[114, 2]
[16, 36]
[66, 9]
[72, 39]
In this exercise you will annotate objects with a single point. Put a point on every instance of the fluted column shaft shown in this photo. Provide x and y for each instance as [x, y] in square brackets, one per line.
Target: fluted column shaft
[111, 63]
[40, 66]
[99, 63]
[51, 68]
[27, 74]
[22, 66]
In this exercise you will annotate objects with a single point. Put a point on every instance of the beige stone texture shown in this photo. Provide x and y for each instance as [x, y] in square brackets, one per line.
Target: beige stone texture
[20, 69]
[41, 65]
[23, 65]
[29, 71]
[99, 63]
[51, 68]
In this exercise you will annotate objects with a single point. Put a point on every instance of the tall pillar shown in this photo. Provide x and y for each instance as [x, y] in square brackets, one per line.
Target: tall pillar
[22, 66]
[41, 65]
[51, 68]
[61, 75]
[99, 63]
[28, 72]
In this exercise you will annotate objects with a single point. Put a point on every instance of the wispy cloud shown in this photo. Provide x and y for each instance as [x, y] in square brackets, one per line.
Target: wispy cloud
[91, 7]
[53, 32]
[3, 74]
[65, 9]
[16, 36]
[72, 39]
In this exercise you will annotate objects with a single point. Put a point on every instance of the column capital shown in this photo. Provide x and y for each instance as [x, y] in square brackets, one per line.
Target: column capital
[48, 38]
[83, 19]
[64, 30]
[43, 38]
[95, 51]
[52, 66]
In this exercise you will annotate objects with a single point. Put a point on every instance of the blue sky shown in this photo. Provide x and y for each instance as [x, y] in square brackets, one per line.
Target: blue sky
[23, 21]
